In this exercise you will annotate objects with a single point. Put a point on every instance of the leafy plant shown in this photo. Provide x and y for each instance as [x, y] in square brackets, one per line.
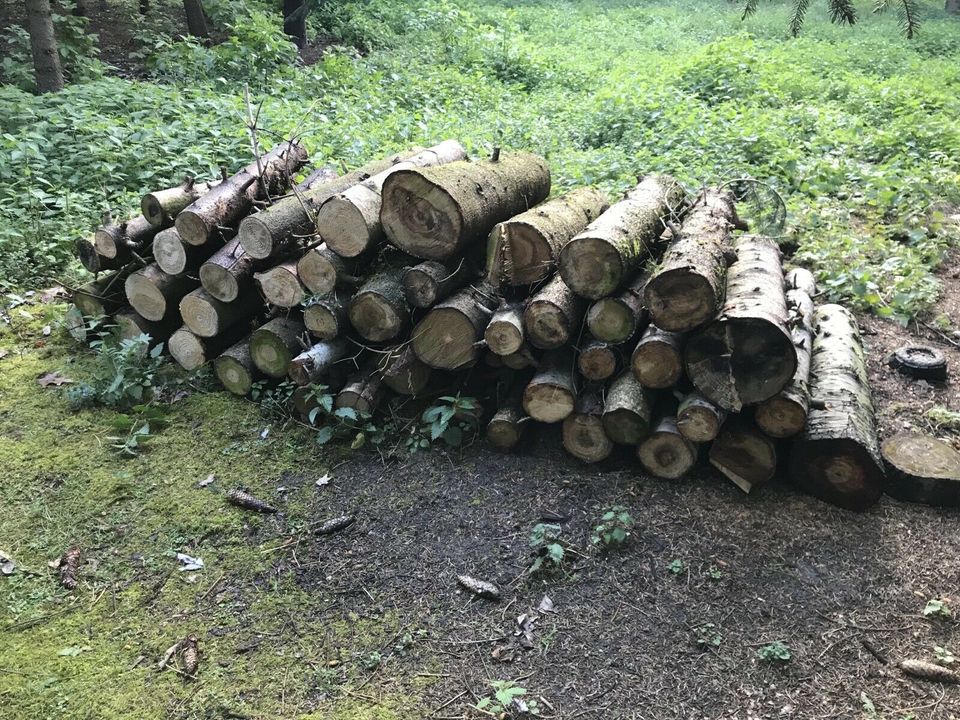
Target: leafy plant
[937, 608]
[129, 374]
[507, 701]
[452, 419]
[136, 428]
[613, 529]
[775, 652]
[943, 655]
[708, 636]
[547, 549]
[677, 566]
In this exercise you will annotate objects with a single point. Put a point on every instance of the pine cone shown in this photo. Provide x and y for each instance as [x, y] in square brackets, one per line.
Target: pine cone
[334, 524]
[69, 566]
[242, 498]
[929, 671]
[191, 655]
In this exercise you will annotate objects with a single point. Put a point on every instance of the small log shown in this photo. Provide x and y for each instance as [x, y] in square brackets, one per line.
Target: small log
[87, 254]
[617, 318]
[131, 325]
[274, 345]
[627, 410]
[161, 207]
[746, 355]
[598, 360]
[429, 282]
[280, 285]
[657, 361]
[666, 453]
[349, 222]
[550, 396]
[191, 351]
[699, 419]
[155, 294]
[803, 280]
[522, 358]
[506, 427]
[363, 393]
[228, 273]
[101, 297]
[922, 469]
[837, 458]
[317, 361]
[402, 371]
[322, 271]
[205, 316]
[434, 213]
[598, 260]
[449, 336]
[744, 454]
[174, 256]
[379, 311]
[235, 368]
[583, 433]
[119, 243]
[688, 285]
[326, 317]
[504, 333]
[553, 315]
[524, 249]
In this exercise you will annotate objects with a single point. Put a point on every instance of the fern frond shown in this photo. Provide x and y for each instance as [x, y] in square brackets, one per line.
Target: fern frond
[880, 6]
[749, 8]
[798, 15]
[908, 17]
[842, 12]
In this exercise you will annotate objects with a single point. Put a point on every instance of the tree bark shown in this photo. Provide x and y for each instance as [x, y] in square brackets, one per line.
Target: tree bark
[43, 45]
[524, 249]
[295, 21]
[131, 324]
[402, 371]
[349, 222]
[744, 455]
[206, 317]
[235, 368]
[379, 311]
[322, 271]
[952, 7]
[666, 453]
[550, 396]
[318, 361]
[434, 213]
[598, 260]
[617, 318]
[698, 419]
[922, 469]
[553, 315]
[174, 256]
[274, 345]
[119, 243]
[837, 458]
[599, 360]
[582, 432]
[155, 294]
[504, 333]
[101, 297]
[505, 429]
[429, 282]
[326, 317]
[688, 286]
[449, 336]
[363, 392]
[746, 355]
[280, 285]
[228, 273]
[657, 361]
[161, 207]
[196, 18]
[627, 410]
[191, 352]
[233, 198]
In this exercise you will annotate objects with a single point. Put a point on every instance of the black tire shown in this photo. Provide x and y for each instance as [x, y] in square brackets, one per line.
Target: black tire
[920, 361]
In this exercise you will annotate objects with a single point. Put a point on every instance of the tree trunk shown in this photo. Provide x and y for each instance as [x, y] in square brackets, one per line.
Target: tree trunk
[745, 455]
[174, 256]
[161, 207]
[550, 396]
[274, 345]
[746, 355]
[379, 311]
[688, 286]
[235, 368]
[280, 285]
[101, 297]
[617, 318]
[837, 458]
[504, 333]
[131, 325]
[698, 419]
[206, 317]
[627, 410]
[363, 392]
[43, 45]
[657, 361]
[435, 213]
[318, 361]
[785, 414]
[431, 281]
[402, 371]
[155, 294]
[322, 271]
[326, 318]
[553, 315]
[666, 453]
[192, 352]
[228, 273]
[583, 433]
[349, 222]
[598, 260]
[119, 243]
[599, 360]
[922, 469]
[230, 200]
[196, 18]
[449, 336]
[952, 7]
[295, 21]
[524, 249]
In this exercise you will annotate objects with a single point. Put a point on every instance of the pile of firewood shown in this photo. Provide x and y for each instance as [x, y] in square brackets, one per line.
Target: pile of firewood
[646, 322]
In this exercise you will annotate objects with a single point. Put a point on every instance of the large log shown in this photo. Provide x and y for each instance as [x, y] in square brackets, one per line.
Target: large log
[428, 282]
[745, 455]
[435, 213]
[524, 249]
[552, 392]
[326, 317]
[205, 316]
[235, 368]
[785, 414]
[161, 207]
[155, 294]
[922, 469]
[837, 458]
[228, 273]
[657, 361]
[449, 336]
[379, 311]
[583, 434]
[349, 222]
[174, 256]
[402, 371]
[280, 285]
[698, 419]
[617, 318]
[598, 360]
[322, 271]
[504, 333]
[191, 351]
[746, 355]
[666, 453]
[318, 361]
[627, 410]
[688, 285]
[274, 345]
[233, 198]
[553, 315]
[598, 260]
[122, 242]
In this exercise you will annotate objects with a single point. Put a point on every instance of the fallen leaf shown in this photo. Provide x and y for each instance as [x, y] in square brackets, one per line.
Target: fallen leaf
[3, 353]
[264, 433]
[7, 565]
[324, 481]
[74, 650]
[46, 330]
[546, 605]
[189, 563]
[210, 478]
[53, 378]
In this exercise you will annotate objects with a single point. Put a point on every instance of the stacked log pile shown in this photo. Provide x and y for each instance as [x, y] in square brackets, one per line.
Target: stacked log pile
[646, 323]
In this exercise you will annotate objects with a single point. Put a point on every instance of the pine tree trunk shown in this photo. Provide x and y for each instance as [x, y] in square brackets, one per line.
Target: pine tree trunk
[524, 249]
[449, 336]
[326, 317]
[550, 396]
[599, 360]
[322, 271]
[155, 294]
[666, 453]
[837, 458]
[192, 352]
[118, 244]
[228, 273]
[583, 433]
[43, 45]
[597, 261]
[745, 455]
[295, 21]
[317, 361]
[161, 207]
[280, 285]
[196, 18]
[379, 311]
[617, 318]
[435, 213]
[698, 419]
[431, 281]
[688, 286]
[746, 355]
[274, 345]
[174, 256]
[657, 361]
[553, 315]
[504, 333]
[235, 368]
[402, 371]
[206, 317]
[627, 410]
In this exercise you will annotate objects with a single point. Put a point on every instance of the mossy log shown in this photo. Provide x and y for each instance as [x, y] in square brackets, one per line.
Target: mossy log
[524, 249]
[161, 207]
[618, 318]
[665, 452]
[235, 368]
[318, 361]
[205, 316]
[326, 317]
[627, 410]
[155, 294]
[101, 297]
[552, 392]
[504, 334]
[228, 273]
[131, 324]
[174, 256]
[322, 271]
[363, 392]
[280, 285]
[553, 316]
[349, 222]
[583, 434]
[744, 455]
[698, 419]
[274, 345]
[225, 204]
[657, 361]
[688, 286]
[746, 355]
[379, 311]
[450, 335]
[597, 261]
[598, 360]
[837, 458]
[428, 282]
[922, 469]
[191, 352]
[122, 242]
[402, 371]
[435, 213]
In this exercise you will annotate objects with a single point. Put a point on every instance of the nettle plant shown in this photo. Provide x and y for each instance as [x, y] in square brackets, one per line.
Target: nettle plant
[548, 551]
[613, 529]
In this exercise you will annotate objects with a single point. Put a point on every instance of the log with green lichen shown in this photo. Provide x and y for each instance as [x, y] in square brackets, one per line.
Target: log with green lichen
[617, 318]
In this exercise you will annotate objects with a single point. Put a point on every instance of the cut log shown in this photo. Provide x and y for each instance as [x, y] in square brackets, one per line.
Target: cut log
[698, 419]
[228, 273]
[205, 316]
[837, 458]
[280, 285]
[161, 207]
[688, 286]
[87, 254]
[318, 361]
[506, 427]
[522, 358]
[349, 222]
[597, 261]
[666, 453]
[599, 360]
[435, 213]
[131, 325]
[553, 315]
[627, 410]
[617, 318]
[326, 317]
[449, 336]
[746, 355]
[504, 333]
[922, 469]
[119, 243]
[322, 271]
[402, 371]
[550, 396]
[191, 351]
[785, 414]
[235, 368]
[657, 361]
[174, 256]
[744, 454]
[230, 200]
[583, 433]
[379, 310]
[274, 345]
[429, 282]
[101, 297]
[524, 249]
[363, 392]
[77, 326]
[155, 294]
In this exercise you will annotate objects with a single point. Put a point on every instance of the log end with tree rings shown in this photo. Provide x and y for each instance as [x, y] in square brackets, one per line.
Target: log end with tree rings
[107, 239]
[235, 369]
[255, 237]
[88, 256]
[145, 296]
[193, 229]
[527, 255]
[679, 301]
[505, 429]
[320, 270]
[280, 285]
[698, 419]
[445, 339]
[591, 267]
[374, 318]
[504, 334]
[781, 416]
[219, 282]
[274, 345]
[838, 470]
[420, 217]
[922, 469]
[550, 395]
[598, 360]
[324, 320]
[343, 227]
[612, 320]
[665, 453]
[545, 325]
[746, 456]
[657, 361]
[200, 313]
[187, 349]
[584, 437]
[169, 252]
